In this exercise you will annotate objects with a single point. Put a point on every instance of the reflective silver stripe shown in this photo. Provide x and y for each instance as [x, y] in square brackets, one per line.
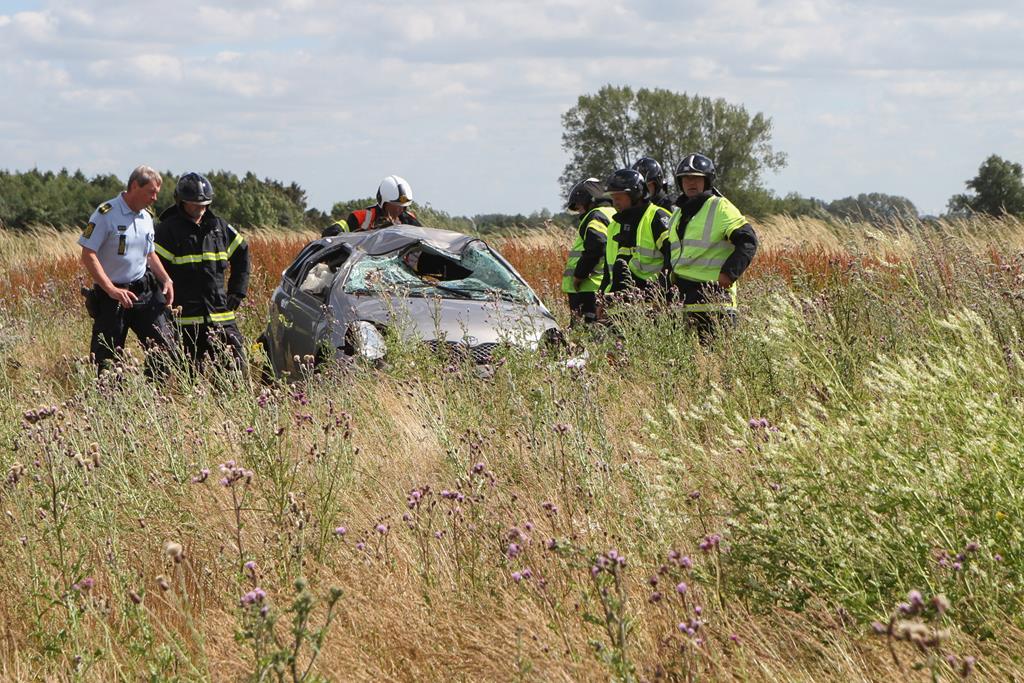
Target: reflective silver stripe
[646, 267]
[709, 262]
[707, 245]
[649, 253]
[573, 254]
[368, 221]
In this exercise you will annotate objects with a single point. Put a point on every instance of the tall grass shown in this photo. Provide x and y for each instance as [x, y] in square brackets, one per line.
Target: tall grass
[849, 454]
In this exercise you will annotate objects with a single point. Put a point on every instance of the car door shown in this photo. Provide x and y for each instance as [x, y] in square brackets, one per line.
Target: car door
[279, 326]
[308, 315]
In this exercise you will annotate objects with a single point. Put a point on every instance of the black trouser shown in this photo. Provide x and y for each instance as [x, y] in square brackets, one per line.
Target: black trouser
[706, 323]
[148, 318]
[219, 343]
[583, 306]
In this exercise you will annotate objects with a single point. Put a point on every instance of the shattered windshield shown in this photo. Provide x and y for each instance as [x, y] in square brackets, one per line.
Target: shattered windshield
[423, 271]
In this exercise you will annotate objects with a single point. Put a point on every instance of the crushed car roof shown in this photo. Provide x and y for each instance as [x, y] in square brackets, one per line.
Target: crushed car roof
[387, 240]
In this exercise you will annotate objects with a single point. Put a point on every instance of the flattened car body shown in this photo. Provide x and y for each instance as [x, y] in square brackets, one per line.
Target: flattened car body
[342, 295]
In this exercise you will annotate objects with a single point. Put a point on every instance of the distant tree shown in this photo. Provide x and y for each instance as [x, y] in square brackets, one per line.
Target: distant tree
[795, 204]
[998, 189]
[615, 126]
[873, 207]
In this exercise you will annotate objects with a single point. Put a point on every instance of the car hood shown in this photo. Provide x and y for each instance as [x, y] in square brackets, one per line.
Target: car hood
[455, 320]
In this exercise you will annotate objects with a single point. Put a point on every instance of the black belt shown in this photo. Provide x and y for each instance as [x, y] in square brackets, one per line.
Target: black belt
[135, 285]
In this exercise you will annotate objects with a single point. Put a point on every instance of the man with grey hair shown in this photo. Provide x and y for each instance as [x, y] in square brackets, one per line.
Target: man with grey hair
[131, 288]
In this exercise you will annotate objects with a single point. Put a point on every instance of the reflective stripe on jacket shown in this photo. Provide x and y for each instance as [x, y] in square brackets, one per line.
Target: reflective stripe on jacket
[598, 219]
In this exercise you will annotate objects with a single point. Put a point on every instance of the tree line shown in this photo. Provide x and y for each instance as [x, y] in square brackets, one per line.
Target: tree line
[615, 126]
[67, 199]
[602, 132]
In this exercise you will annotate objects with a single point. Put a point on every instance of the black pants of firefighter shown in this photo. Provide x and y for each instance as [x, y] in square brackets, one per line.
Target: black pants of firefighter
[706, 323]
[583, 306]
[220, 344]
[148, 318]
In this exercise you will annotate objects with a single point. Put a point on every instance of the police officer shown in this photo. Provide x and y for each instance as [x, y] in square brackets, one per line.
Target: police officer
[132, 290]
[637, 250]
[711, 245]
[586, 266]
[394, 195]
[657, 188]
[197, 248]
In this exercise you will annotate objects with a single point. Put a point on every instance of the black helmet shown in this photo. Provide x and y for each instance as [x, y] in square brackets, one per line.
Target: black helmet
[650, 169]
[193, 188]
[627, 180]
[585, 193]
[696, 165]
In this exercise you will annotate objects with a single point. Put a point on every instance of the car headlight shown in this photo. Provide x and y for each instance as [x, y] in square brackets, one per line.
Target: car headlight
[367, 341]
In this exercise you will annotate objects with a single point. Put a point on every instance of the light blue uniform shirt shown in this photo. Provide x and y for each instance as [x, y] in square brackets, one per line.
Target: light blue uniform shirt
[121, 238]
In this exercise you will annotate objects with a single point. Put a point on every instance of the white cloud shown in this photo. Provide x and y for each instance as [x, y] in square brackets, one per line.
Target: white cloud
[157, 67]
[37, 26]
[301, 88]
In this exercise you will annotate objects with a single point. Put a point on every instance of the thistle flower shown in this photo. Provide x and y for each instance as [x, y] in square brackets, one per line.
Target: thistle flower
[382, 529]
[340, 531]
[479, 468]
[513, 550]
[134, 597]
[681, 588]
[517, 576]
[174, 551]
[161, 581]
[250, 567]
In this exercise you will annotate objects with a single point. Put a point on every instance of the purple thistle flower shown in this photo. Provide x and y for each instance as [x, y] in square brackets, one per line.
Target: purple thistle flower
[438, 534]
[973, 547]
[734, 638]
[250, 567]
[479, 468]
[915, 599]
[513, 550]
[517, 576]
[698, 610]
[879, 628]
[997, 557]
[382, 529]
[681, 588]
[340, 531]
[527, 573]
[360, 546]
[655, 597]
[595, 570]
[552, 544]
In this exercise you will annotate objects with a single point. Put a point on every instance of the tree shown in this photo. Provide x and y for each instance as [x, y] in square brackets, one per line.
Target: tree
[614, 127]
[998, 189]
[876, 206]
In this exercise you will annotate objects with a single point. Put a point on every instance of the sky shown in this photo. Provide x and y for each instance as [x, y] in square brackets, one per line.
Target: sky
[464, 98]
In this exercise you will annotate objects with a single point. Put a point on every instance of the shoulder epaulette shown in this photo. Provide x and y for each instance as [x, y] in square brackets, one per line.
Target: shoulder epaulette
[105, 208]
[151, 211]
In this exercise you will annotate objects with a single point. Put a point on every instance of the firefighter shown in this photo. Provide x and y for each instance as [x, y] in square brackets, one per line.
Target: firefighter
[197, 247]
[711, 244]
[637, 250]
[394, 195]
[657, 188]
[586, 266]
[132, 290]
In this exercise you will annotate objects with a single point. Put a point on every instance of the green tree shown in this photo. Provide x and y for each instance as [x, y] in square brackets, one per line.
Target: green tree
[614, 127]
[998, 189]
[876, 206]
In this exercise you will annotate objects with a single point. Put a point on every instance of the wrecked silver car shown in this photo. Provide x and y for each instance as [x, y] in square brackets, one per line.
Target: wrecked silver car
[347, 296]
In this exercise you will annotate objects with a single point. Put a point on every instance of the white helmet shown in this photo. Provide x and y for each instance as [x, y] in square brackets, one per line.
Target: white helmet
[394, 189]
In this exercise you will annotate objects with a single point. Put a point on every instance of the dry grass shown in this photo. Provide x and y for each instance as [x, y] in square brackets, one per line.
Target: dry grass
[456, 615]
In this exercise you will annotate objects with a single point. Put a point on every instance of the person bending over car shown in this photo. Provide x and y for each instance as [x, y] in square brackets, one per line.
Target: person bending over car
[394, 195]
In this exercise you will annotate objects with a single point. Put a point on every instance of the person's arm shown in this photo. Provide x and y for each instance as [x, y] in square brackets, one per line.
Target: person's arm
[238, 257]
[595, 244]
[92, 265]
[167, 286]
[745, 241]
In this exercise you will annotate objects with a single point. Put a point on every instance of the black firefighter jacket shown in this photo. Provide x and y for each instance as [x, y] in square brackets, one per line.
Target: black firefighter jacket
[197, 257]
